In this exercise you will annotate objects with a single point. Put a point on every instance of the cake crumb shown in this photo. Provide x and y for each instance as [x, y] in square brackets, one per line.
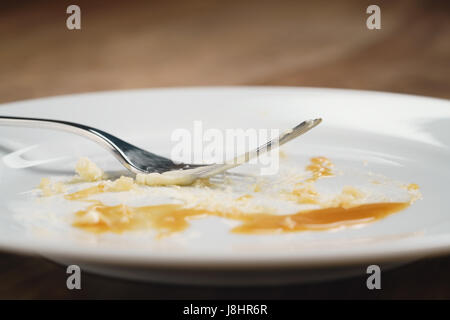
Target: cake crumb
[88, 170]
[122, 184]
[349, 197]
[49, 189]
[256, 187]
[306, 194]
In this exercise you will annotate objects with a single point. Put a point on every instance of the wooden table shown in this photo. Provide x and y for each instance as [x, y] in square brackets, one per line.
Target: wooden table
[190, 43]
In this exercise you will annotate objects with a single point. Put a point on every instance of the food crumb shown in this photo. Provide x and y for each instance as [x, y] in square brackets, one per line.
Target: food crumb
[306, 194]
[88, 170]
[122, 184]
[256, 188]
[412, 187]
[49, 189]
[282, 154]
[349, 197]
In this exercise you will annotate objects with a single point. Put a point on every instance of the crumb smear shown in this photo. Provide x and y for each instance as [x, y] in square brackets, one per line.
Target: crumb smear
[88, 170]
[251, 204]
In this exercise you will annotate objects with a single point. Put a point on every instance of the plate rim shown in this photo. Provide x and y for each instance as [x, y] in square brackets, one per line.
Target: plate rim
[425, 248]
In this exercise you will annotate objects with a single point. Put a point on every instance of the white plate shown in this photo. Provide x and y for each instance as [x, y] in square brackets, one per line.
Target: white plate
[403, 137]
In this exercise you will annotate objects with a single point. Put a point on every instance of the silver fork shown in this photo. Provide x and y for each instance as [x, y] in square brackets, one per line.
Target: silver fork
[138, 160]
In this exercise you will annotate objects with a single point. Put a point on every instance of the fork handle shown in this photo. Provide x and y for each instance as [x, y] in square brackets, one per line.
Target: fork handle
[129, 155]
[98, 136]
[106, 140]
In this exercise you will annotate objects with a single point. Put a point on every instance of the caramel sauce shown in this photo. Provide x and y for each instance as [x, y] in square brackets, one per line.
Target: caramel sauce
[170, 218]
[245, 197]
[305, 195]
[166, 218]
[82, 194]
[412, 187]
[320, 167]
[318, 219]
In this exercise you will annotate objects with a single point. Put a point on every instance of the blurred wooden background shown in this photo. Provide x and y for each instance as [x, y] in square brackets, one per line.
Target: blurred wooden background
[214, 42]
[143, 44]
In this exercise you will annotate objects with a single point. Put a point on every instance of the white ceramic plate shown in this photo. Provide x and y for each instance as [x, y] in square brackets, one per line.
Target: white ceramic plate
[403, 137]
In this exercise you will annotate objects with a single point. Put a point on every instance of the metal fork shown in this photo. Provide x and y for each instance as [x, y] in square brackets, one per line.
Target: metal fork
[138, 160]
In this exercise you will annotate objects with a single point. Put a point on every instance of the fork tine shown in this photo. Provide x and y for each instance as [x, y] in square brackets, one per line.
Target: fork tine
[286, 136]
